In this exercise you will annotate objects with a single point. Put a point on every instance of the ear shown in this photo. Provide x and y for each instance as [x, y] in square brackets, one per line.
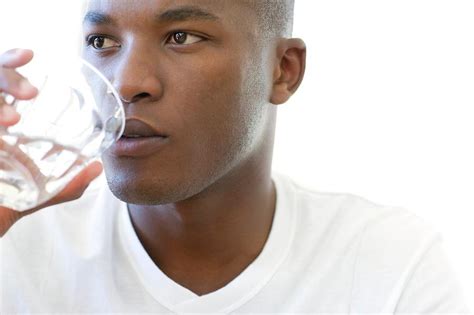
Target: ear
[289, 69]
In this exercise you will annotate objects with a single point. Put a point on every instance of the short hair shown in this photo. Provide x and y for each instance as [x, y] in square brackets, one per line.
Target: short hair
[274, 16]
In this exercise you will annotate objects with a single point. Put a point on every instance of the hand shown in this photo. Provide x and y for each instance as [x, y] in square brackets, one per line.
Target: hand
[11, 82]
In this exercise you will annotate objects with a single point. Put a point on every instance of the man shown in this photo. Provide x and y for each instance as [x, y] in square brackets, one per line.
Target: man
[191, 219]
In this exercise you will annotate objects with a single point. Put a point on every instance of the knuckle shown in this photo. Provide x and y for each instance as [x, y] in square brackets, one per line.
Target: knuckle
[10, 80]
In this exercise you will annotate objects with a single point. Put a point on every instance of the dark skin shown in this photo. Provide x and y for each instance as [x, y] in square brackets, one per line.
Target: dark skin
[203, 205]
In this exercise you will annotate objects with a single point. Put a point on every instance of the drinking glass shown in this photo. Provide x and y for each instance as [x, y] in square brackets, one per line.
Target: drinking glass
[75, 117]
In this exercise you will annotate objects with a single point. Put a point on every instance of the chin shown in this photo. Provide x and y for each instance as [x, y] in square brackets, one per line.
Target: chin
[140, 191]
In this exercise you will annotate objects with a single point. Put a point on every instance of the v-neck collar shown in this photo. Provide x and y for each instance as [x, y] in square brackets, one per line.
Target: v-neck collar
[241, 289]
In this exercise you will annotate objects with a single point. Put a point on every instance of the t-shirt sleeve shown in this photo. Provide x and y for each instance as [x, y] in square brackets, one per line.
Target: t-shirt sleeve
[433, 287]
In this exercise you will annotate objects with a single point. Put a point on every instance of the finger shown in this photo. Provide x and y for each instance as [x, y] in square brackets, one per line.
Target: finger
[15, 84]
[92, 171]
[8, 217]
[8, 116]
[79, 184]
[74, 189]
[15, 58]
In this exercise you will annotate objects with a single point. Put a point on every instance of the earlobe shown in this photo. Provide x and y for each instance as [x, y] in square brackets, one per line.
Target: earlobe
[289, 70]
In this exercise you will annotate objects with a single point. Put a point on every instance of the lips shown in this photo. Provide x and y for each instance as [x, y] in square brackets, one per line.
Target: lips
[135, 128]
[139, 139]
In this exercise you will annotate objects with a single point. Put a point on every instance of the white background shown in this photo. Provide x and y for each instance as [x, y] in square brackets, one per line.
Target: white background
[385, 110]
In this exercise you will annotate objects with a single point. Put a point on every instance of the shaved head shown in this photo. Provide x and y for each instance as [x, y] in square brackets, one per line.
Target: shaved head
[275, 16]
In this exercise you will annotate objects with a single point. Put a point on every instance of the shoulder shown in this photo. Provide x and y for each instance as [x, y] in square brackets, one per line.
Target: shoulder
[377, 248]
[348, 212]
[378, 235]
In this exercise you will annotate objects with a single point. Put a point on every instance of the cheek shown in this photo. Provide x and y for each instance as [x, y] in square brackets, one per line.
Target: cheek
[212, 101]
[216, 111]
[229, 121]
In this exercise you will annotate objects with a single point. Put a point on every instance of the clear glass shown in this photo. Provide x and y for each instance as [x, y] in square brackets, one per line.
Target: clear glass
[76, 116]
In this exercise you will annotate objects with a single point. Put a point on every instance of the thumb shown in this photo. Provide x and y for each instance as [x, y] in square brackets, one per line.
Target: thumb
[74, 189]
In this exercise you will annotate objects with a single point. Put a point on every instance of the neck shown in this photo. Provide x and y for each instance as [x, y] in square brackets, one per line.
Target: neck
[228, 219]
[205, 243]
[224, 227]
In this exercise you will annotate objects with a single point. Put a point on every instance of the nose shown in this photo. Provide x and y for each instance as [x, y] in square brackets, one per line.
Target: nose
[136, 77]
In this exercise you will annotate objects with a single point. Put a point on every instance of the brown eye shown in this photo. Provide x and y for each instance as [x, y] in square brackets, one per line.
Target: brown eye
[101, 42]
[180, 37]
[183, 38]
[98, 42]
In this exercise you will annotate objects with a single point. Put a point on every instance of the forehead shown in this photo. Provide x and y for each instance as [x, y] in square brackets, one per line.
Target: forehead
[236, 12]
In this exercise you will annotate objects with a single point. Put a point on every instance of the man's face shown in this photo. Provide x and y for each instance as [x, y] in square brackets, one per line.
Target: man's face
[191, 70]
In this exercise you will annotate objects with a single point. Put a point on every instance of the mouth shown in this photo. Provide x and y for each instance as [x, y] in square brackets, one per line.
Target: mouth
[134, 136]
[139, 139]
[137, 128]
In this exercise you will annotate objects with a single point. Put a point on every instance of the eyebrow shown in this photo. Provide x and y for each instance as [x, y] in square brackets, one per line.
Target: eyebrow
[97, 18]
[184, 13]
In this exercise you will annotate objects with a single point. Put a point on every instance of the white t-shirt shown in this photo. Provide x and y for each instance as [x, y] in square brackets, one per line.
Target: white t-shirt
[326, 253]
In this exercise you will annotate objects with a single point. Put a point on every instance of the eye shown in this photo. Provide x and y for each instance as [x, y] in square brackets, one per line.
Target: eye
[183, 38]
[99, 42]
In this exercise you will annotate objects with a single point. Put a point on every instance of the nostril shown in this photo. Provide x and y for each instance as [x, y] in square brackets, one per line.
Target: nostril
[142, 95]
[135, 98]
